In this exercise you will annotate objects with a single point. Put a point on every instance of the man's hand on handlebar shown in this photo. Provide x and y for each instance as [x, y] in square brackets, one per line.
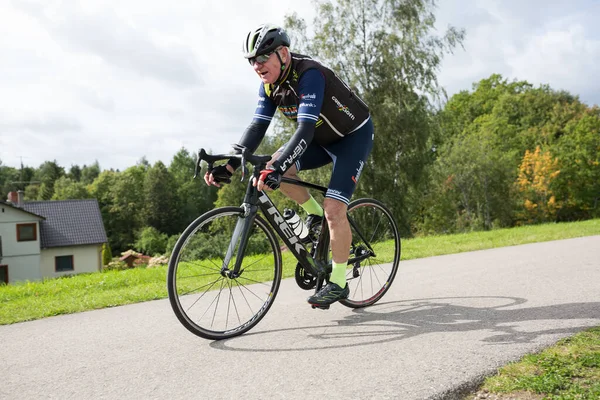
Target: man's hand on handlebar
[269, 178]
[219, 174]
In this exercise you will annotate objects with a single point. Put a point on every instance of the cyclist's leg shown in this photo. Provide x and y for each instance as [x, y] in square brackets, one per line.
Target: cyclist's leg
[349, 155]
[313, 157]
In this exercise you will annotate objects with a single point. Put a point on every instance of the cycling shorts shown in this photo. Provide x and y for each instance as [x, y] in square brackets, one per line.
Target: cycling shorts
[348, 155]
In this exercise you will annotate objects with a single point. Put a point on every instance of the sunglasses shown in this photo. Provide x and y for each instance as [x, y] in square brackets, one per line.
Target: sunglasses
[263, 58]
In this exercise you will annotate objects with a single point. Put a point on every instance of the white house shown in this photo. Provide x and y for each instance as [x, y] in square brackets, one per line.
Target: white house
[48, 239]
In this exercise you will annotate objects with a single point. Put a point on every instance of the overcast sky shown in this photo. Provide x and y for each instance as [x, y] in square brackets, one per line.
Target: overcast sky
[116, 80]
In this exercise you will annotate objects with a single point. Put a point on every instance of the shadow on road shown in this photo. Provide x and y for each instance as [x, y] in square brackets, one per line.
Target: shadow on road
[505, 317]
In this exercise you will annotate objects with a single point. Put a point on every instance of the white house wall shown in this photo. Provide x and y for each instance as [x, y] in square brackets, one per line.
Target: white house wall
[23, 268]
[85, 259]
[22, 258]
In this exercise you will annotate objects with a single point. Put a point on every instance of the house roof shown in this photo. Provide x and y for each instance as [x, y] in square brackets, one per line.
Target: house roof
[68, 222]
[5, 204]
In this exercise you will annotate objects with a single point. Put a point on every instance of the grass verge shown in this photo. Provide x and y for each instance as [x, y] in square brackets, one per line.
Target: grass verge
[33, 300]
[568, 370]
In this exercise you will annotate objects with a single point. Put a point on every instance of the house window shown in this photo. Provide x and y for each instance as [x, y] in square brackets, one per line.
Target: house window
[63, 263]
[26, 232]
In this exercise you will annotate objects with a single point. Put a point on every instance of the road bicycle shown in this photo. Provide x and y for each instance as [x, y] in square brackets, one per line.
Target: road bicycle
[226, 267]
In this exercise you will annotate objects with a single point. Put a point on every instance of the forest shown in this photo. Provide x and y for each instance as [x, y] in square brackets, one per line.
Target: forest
[502, 153]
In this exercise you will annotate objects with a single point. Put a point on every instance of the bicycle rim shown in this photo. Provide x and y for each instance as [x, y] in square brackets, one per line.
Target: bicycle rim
[375, 232]
[209, 304]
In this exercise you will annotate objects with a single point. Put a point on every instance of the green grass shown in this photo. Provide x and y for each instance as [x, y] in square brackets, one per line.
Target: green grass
[568, 370]
[429, 246]
[33, 300]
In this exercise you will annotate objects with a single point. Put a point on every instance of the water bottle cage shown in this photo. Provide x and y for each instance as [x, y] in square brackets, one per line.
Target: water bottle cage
[296, 223]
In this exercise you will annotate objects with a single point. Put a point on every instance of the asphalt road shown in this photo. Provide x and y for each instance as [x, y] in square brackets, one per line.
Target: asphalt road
[445, 323]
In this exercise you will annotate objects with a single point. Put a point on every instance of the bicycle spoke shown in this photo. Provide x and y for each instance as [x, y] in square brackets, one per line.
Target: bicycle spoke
[256, 262]
[231, 300]
[199, 275]
[241, 285]
[217, 305]
[254, 281]
[198, 288]
[245, 299]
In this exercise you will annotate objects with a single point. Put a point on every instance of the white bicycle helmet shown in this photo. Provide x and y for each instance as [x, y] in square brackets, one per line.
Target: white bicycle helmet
[263, 40]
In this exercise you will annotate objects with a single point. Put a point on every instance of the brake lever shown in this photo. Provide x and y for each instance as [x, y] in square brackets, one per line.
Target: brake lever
[244, 168]
[198, 161]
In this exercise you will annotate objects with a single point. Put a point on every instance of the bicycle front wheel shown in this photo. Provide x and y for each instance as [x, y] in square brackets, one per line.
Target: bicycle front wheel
[374, 254]
[216, 305]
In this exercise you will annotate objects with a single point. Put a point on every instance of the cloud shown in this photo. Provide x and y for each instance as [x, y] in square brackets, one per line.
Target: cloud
[564, 57]
[552, 43]
[93, 98]
[116, 41]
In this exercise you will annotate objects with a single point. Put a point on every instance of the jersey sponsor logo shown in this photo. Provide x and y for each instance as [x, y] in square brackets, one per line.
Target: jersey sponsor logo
[299, 149]
[309, 105]
[289, 111]
[343, 108]
[308, 96]
[261, 98]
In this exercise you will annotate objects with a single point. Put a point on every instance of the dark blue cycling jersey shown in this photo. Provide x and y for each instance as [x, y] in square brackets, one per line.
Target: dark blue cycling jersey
[333, 125]
[311, 89]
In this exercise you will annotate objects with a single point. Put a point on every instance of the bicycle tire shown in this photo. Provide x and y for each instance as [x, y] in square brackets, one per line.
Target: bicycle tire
[195, 265]
[370, 278]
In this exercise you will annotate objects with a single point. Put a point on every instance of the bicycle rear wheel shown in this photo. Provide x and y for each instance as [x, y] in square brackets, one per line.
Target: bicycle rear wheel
[374, 254]
[210, 303]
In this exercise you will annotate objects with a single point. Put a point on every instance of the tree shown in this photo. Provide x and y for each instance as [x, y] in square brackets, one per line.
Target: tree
[537, 172]
[32, 192]
[75, 173]
[578, 152]
[106, 254]
[194, 197]
[101, 190]
[89, 173]
[487, 151]
[471, 185]
[69, 189]
[7, 176]
[160, 200]
[385, 50]
[120, 196]
[47, 174]
[151, 242]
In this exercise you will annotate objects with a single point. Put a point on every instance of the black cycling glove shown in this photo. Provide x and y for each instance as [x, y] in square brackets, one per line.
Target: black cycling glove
[221, 174]
[271, 178]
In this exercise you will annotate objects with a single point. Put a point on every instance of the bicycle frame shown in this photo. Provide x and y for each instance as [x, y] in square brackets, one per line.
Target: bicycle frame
[255, 200]
[315, 264]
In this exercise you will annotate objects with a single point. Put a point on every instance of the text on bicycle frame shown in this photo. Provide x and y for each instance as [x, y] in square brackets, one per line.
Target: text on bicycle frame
[283, 225]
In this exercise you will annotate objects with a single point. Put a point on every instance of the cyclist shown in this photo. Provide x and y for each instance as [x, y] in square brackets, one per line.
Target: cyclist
[334, 126]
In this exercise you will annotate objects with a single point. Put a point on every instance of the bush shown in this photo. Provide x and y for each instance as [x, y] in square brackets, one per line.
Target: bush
[158, 261]
[106, 254]
[171, 244]
[116, 266]
[151, 241]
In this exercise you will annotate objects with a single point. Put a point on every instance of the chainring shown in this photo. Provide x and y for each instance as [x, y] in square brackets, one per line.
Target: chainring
[305, 279]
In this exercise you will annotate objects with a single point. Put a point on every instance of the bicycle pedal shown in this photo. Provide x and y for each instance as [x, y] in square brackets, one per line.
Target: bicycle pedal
[322, 307]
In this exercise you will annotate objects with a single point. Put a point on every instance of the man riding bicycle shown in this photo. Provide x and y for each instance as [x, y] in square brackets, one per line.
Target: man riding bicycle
[334, 125]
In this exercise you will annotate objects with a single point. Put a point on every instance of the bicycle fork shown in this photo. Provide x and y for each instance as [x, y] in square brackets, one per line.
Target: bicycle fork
[239, 240]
